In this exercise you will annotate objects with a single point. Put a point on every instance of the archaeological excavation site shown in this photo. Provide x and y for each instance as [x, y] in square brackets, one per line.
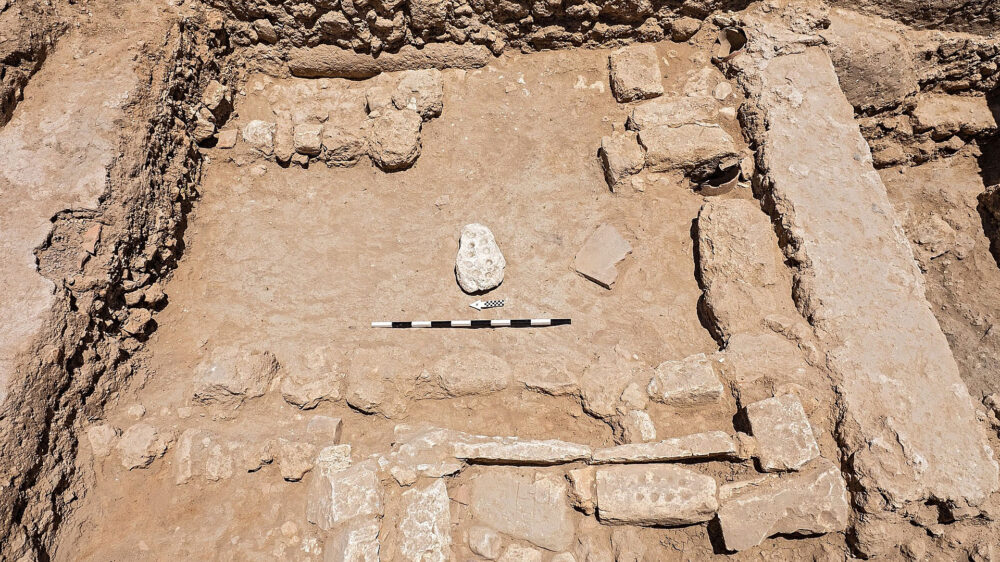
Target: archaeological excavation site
[512, 280]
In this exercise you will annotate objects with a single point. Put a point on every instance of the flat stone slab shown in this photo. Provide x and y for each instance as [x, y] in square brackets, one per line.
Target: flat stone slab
[597, 258]
[947, 114]
[673, 112]
[635, 73]
[525, 505]
[688, 382]
[336, 496]
[784, 437]
[654, 495]
[910, 425]
[511, 450]
[693, 149]
[709, 445]
[807, 503]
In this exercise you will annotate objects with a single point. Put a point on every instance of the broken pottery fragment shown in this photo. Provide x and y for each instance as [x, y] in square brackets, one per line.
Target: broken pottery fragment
[597, 258]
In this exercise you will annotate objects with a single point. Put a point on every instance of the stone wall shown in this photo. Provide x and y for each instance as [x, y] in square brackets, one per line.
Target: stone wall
[85, 349]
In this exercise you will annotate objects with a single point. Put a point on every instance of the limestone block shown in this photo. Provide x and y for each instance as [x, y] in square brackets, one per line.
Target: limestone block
[421, 91]
[635, 73]
[485, 542]
[644, 494]
[784, 437]
[673, 112]
[308, 138]
[696, 150]
[141, 444]
[425, 526]
[621, 157]
[394, 139]
[471, 372]
[688, 382]
[336, 496]
[233, 374]
[355, 541]
[524, 505]
[260, 135]
[101, 437]
[582, 493]
[709, 445]
[948, 114]
[512, 450]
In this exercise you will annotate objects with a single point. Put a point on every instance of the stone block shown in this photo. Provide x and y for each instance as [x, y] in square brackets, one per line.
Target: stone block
[781, 429]
[597, 258]
[691, 381]
[525, 505]
[653, 495]
[698, 446]
[635, 73]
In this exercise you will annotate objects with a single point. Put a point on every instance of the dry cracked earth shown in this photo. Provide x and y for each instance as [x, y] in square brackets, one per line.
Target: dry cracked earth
[773, 226]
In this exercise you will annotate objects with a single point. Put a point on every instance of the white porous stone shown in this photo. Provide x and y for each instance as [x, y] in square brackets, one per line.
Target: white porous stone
[425, 528]
[479, 265]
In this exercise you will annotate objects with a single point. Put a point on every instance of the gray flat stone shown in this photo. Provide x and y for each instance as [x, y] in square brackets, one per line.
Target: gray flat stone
[784, 437]
[635, 73]
[525, 505]
[673, 112]
[710, 445]
[811, 502]
[597, 258]
[511, 450]
[696, 149]
[654, 495]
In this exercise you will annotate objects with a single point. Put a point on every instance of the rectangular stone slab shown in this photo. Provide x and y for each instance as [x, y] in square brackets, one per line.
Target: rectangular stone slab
[649, 494]
[712, 444]
[910, 424]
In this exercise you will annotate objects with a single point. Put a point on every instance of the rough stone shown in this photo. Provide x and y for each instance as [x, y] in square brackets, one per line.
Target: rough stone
[811, 502]
[354, 541]
[425, 525]
[333, 458]
[426, 451]
[204, 125]
[563, 557]
[673, 112]
[626, 542]
[597, 258]
[265, 31]
[874, 61]
[102, 437]
[516, 553]
[692, 381]
[429, 14]
[621, 157]
[524, 505]
[740, 266]
[582, 494]
[394, 140]
[308, 138]
[784, 437]
[421, 91]
[684, 28]
[948, 114]
[696, 150]
[698, 446]
[635, 73]
[294, 458]
[654, 495]
[233, 374]
[226, 138]
[637, 427]
[325, 430]
[861, 289]
[344, 145]
[469, 373]
[284, 141]
[375, 383]
[511, 450]
[479, 264]
[217, 100]
[201, 453]
[336, 496]
[260, 135]
[485, 542]
[140, 445]
[310, 379]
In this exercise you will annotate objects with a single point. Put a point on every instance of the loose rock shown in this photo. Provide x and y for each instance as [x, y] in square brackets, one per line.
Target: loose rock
[420, 91]
[691, 381]
[784, 437]
[635, 73]
[479, 265]
[336, 496]
[597, 258]
[102, 437]
[308, 139]
[260, 135]
[140, 445]
[394, 142]
[232, 375]
[621, 157]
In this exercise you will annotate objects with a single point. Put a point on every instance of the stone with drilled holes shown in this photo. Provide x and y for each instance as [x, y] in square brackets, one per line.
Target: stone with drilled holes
[621, 157]
[688, 382]
[784, 437]
[807, 503]
[645, 494]
[597, 258]
[698, 446]
[479, 264]
[525, 505]
[635, 73]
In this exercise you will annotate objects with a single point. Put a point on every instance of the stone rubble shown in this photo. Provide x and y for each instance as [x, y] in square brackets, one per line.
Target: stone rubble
[635, 73]
[643, 494]
[201, 453]
[699, 446]
[479, 265]
[597, 258]
[294, 458]
[394, 141]
[810, 502]
[691, 381]
[310, 379]
[781, 429]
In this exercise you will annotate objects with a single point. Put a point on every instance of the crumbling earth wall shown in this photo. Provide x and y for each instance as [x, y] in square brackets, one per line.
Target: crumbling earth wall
[27, 30]
[107, 266]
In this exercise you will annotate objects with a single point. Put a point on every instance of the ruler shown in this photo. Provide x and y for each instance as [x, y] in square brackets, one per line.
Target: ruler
[521, 323]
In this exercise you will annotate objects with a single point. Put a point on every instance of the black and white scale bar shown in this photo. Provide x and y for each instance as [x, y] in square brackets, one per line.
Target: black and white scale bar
[522, 323]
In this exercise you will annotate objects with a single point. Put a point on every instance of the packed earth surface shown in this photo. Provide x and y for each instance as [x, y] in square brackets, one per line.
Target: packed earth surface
[546, 280]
